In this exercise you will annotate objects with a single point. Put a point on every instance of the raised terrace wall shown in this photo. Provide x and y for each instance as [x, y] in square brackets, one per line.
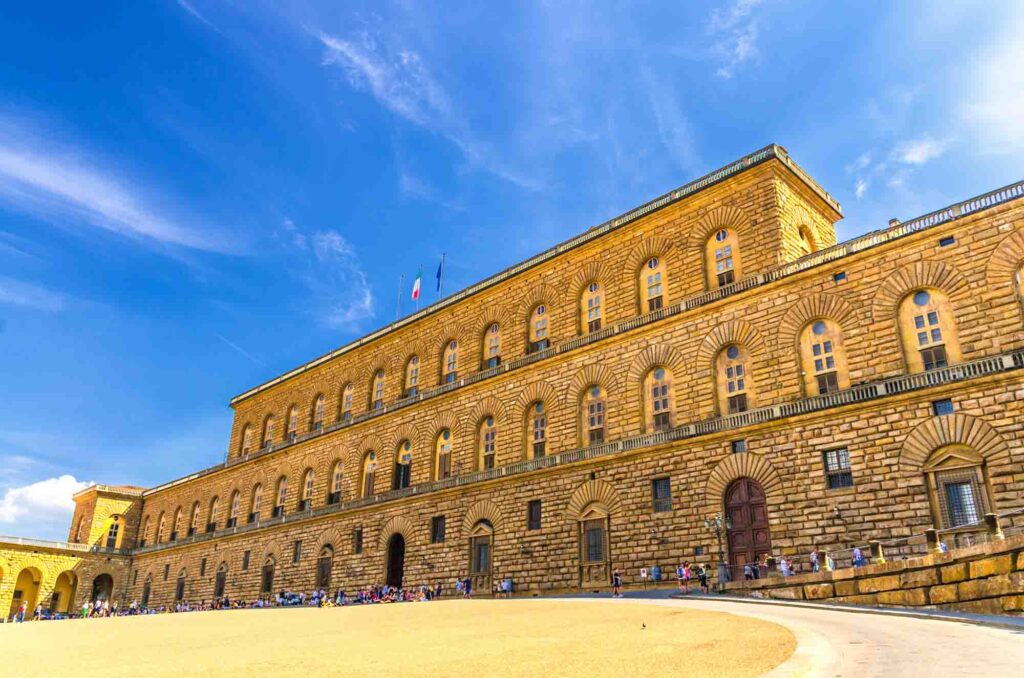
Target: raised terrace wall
[984, 579]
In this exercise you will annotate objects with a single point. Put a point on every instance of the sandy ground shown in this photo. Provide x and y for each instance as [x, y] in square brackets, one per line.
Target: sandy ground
[536, 638]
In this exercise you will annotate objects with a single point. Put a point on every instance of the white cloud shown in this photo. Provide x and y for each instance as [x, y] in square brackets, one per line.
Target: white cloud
[862, 162]
[674, 127]
[734, 28]
[18, 293]
[43, 501]
[862, 187]
[919, 151]
[995, 92]
[335, 288]
[57, 183]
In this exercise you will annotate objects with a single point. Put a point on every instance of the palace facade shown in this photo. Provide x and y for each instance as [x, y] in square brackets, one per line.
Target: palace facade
[711, 353]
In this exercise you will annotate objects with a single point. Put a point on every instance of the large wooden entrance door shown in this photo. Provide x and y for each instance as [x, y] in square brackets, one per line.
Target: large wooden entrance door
[396, 560]
[748, 534]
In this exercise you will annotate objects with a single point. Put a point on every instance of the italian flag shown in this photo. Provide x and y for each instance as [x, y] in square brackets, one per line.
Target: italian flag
[416, 285]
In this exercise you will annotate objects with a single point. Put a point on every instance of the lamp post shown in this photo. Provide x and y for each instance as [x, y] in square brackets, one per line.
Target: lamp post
[714, 525]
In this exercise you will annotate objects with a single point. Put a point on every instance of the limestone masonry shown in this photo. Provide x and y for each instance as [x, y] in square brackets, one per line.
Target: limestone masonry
[711, 353]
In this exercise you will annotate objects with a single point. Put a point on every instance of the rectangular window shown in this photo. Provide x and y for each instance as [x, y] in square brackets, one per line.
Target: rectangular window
[838, 473]
[297, 551]
[167, 571]
[538, 346]
[593, 325]
[245, 560]
[827, 383]
[654, 303]
[726, 278]
[942, 407]
[947, 241]
[661, 494]
[661, 421]
[135, 576]
[738, 446]
[934, 358]
[533, 514]
[738, 403]
[357, 540]
[698, 550]
[593, 533]
[596, 436]
[839, 277]
[437, 530]
[961, 503]
[481, 552]
[202, 567]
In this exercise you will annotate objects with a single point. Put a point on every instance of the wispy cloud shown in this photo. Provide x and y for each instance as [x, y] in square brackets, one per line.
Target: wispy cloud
[27, 295]
[53, 182]
[239, 350]
[398, 78]
[336, 291]
[918, 151]
[674, 127]
[188, 7]
[995, 101]
[45, 500]
[734, 29]
[861, 187]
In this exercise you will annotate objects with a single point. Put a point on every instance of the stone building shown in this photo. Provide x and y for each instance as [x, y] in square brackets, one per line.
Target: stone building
[713, 352]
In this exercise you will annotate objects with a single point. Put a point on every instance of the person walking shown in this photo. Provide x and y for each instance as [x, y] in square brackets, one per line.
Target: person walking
[858, 557]
[702, 576]
[679, 577]
[814, 561]
[616, 584]
[21, 611]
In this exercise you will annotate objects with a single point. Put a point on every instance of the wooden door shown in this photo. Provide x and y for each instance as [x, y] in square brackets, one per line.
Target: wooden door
[748, 534]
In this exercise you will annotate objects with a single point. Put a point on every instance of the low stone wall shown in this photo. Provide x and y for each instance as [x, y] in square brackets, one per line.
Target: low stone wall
[985, 579]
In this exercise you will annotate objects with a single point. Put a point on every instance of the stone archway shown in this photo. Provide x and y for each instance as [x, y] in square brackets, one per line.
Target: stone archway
[63, 598]
[26, 588]
[102, 588]
[396, 560]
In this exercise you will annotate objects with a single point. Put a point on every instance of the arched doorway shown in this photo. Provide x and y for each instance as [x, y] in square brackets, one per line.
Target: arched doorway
[102, 587]
[26, 588]
[221, 581]
[267, 576]
[481, 541]
[396, 560]
[595, 557]
[63, 592]
[179, 587]
[323, 568]
[147, 589]
[748, 533]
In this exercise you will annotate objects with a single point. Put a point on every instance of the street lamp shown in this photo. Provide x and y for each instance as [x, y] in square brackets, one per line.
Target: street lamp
[714, 525]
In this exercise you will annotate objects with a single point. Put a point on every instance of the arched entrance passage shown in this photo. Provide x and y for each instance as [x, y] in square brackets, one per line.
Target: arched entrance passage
[102, 587]
[267, 576]
[324, 564]
[748, 533]
[63, 592]
[26, 588]
[396, 560]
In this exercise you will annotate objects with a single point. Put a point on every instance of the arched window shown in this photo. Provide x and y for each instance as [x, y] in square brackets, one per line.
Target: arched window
[537, 429]
[318, 413]
[160, 530]
[211, 526]
[538, 330]
[592, 411]
[267, 577]
[346, 403]
[114, 533]
[403, 466]
[412, 377]
[488, 444]
[336, 477]
[193, 523]
[144, 533]
[822, 358]
[80, 531]
[805, 242]
[958, 482]
[443, 455]
[280, 497]
[293, 423]
[369, 467]
[324, 565]
[722, 258]
[653, 285]
[591, 304]
[928, 331]
[492, 346]
[268, 431]
[659, 399]
[450, 362]
[306, 502]
[246, 447]
[377, 390]
[733, 376]
[256, 503]
[236, 499]
[176, 524]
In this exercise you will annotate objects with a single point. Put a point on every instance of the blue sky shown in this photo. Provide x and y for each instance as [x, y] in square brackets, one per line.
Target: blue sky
[198, 195]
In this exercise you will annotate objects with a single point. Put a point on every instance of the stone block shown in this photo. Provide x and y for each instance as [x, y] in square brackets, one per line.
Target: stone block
[1012, 603]
[788, 593]
[991, 566]
[946, 593]
[914, 578]
[953, 573]
[1020, 561]
[990, 587]
[876, 584]
[909, 598]
[818, 591]
[846, 588]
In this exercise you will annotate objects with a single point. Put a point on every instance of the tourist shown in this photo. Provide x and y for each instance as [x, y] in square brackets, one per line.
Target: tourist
[702, 576]
[943, 548]
[22, 608]
[814, 561]
[747, 572]
[687, 574]
[616, 584]
[468, 587]
[679, 577]
[858, 557]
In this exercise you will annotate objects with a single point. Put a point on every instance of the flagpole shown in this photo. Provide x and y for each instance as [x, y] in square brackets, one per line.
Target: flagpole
[401, 289]
[440, 292]
[421, 289]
